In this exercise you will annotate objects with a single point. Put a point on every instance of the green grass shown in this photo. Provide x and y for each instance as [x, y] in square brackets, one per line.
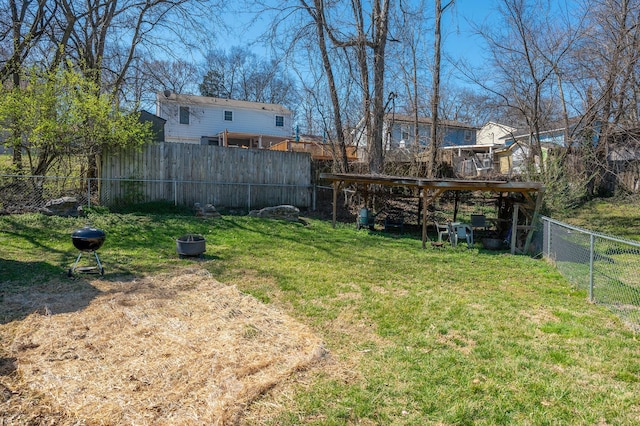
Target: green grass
[5, 163]
[435, 336]
[618, 216]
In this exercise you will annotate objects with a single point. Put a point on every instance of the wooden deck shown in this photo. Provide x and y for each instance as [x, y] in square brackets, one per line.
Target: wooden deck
[318, 150]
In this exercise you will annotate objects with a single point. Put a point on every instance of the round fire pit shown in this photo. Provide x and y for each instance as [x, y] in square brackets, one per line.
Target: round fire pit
[191, 245]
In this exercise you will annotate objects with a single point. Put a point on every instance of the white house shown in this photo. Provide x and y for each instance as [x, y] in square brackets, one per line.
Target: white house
[494, 133]
[226, 122]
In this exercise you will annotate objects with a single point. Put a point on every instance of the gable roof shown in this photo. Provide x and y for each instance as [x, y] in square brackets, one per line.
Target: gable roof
[208, 101]
[147, 116]
[554, 127]
[504, 127]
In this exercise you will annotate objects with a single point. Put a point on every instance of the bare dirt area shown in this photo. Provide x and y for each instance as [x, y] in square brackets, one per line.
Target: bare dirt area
[178, 349]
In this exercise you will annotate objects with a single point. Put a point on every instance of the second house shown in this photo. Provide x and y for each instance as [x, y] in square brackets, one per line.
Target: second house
[224, 122]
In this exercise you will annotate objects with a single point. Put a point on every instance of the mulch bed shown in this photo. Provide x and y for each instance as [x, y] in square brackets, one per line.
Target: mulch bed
[175, 349]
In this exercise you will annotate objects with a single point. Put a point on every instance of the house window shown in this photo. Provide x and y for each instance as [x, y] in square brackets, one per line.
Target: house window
[279, 121]
[184, 115]
[467, 135]
[228, 116]
[404, 133]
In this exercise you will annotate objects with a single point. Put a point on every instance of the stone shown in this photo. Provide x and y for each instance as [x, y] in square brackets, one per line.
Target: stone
[65, 206]
[282, 212]
[208, 211]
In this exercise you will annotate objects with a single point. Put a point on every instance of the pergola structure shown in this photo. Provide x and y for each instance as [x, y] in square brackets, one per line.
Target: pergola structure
[431, 189]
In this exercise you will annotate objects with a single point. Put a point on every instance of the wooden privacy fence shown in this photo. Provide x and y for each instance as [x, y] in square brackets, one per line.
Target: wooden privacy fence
[225, 177]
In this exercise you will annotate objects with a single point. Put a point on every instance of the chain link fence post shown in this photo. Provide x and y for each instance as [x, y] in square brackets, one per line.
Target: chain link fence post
[605, 266]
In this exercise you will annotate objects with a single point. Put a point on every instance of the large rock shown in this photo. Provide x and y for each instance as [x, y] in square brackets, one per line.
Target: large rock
[65, 206]
[284, 212]
[207, 211]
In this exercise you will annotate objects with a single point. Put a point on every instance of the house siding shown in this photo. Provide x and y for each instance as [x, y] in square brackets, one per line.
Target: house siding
[453, 136]
[208, 119]
[493, 133]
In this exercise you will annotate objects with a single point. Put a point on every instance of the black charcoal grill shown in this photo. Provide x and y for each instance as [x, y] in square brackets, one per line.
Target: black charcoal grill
[87, 240]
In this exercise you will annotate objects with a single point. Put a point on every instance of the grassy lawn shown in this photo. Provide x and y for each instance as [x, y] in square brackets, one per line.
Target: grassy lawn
[616, 216]
[435, 336]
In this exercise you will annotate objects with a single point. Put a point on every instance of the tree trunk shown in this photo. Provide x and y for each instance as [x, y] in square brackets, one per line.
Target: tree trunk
[435, 97]
[380, 13]
[320, 24]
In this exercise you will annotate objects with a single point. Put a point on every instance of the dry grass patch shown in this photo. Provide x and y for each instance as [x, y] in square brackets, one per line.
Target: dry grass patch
[170, 349]
[539, 316]
[457, 341]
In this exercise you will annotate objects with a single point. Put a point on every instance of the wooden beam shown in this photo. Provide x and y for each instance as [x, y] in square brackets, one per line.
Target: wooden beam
[530, 200]
[425, 205]
[336, 185]
[447, 184]
[514, 227]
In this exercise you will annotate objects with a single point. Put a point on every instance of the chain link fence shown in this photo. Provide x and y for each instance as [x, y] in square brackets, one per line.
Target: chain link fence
[606, 266]
[21, 194]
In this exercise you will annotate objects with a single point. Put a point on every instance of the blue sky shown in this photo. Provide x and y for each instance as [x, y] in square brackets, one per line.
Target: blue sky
[459, 42]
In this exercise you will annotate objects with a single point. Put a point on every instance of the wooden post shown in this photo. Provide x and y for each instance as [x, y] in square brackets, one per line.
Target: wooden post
[455, 206]
[514, 227]
[335, 202]
[424, 218]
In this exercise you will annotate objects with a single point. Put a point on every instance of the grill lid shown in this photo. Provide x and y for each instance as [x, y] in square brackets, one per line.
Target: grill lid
[88, 238]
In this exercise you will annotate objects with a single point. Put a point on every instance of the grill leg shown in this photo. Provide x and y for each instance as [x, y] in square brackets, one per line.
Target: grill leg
[76, 263]
[73, 268]
[100, 268]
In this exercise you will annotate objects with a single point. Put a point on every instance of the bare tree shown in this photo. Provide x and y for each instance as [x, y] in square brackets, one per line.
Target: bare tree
[317, 13]
[20, 30]
[408, 83]
[527, 51]
[104, 37]
[240, 74]
[608, 63]
[178, 76]
[362, 36]
[435, 96]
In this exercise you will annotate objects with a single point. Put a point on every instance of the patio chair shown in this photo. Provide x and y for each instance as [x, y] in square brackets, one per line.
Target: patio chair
[394, 223]
[465, 232]
[479, 221]
[453, 236]
[460, 231]
[442, 230]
